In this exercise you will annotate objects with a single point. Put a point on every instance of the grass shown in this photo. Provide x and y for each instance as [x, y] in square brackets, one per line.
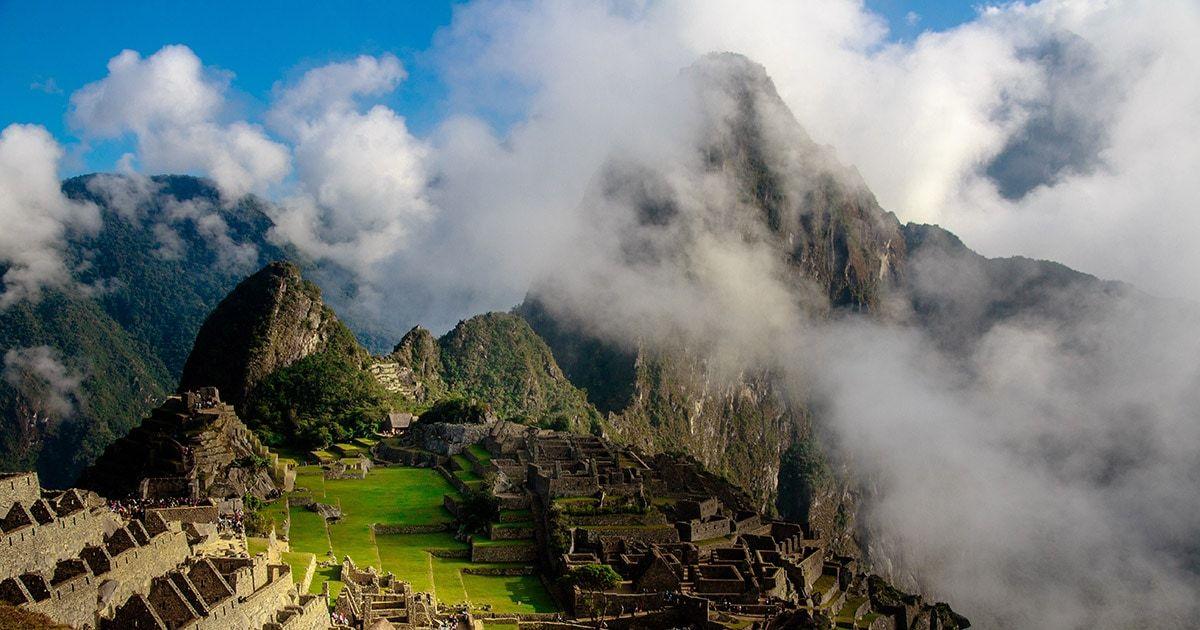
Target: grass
[299, 561]
[462, 463]
[512, 524]
[575, 501]
[518, 593]
[484, 542]
[255, 545]
[327, 574]
[407, 555]
[408, 496]
[308, 532]
[480, 453]
[397, 495]
[520, 515]
[346, 449]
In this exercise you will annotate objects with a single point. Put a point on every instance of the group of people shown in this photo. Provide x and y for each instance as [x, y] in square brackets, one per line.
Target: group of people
[232, 522]
[129, 508]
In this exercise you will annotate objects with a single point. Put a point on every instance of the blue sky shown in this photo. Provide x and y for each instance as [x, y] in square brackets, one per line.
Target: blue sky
[48, 50]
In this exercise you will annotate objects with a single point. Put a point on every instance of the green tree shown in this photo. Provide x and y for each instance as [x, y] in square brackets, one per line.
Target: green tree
[594, 579]
[803, 472]
[457, 410]
[478, 508]
[320, 399]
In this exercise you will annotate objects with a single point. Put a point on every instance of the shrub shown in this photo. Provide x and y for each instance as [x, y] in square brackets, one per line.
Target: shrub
[457, 410]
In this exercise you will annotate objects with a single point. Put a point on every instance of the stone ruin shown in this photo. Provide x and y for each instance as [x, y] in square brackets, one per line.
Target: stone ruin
[192, 446]
[690, 548]
[72, 559]
[368, 597]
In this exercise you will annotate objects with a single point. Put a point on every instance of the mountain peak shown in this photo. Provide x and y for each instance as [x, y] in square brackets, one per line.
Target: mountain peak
[269, 321]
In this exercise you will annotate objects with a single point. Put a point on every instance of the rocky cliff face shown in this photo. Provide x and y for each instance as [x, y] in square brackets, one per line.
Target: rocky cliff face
[271, 320]
[820, 214]
[418, 361]
[840, 250]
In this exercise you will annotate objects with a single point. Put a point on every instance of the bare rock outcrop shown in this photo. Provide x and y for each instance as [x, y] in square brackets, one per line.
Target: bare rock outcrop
[271, 320]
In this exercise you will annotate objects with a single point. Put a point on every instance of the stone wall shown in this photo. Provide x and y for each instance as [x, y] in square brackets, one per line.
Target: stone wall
[503, 553]
[405, 456]
[310, 612]
[447, 439]
[514, 501]
[451, 505]
[510, 533]
[35, 546]
[507, 571]
[188, 514]
[697, 510]
[21, 487]
[646, 535]
[703, 530]
[584, 605]
[71, 594]
[392, 528]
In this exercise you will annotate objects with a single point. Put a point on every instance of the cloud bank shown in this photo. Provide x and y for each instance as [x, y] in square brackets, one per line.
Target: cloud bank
[39, 375]
[172, 105]
[35, 215]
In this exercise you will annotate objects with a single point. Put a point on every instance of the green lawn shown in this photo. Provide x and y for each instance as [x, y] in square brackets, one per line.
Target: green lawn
[518, 515]
[255, 545]
[468, 476]
[518, 593]
[402, 496]
[308, 532]
[480, 453]
[512, 524]
[395, 495]
[299, 561]
[346, 449]
[327, 574]
[484, 542]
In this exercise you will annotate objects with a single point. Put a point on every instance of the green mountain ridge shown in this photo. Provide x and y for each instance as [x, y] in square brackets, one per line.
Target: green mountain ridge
[127, 335]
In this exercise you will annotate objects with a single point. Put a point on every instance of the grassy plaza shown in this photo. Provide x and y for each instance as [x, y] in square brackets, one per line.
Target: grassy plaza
[401, 496]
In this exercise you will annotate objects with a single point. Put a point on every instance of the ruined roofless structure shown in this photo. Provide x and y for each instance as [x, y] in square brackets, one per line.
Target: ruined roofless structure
[192, 446]
[689, 547]
[70, 558]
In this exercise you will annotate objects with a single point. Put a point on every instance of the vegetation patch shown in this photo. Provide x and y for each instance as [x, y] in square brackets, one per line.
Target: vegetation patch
[408, 497]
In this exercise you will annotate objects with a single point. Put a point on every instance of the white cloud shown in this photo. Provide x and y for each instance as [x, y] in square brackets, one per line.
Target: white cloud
[361, 177]
[35, 214]
[40, 376]
[172, 104]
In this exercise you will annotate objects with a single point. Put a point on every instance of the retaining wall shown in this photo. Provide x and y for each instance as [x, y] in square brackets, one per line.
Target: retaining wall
[504, 553]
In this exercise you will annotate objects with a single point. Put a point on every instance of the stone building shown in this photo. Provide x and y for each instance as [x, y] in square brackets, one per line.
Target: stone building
[192, 446]
[74, 560]
[369, 598]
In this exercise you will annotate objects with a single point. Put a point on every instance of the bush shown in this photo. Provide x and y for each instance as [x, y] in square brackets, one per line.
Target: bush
[457, 410]
[320, 399]
[477, 509]
[803, 471]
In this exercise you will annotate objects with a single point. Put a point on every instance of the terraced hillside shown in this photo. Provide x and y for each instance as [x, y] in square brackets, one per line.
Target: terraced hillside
[423, 550]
